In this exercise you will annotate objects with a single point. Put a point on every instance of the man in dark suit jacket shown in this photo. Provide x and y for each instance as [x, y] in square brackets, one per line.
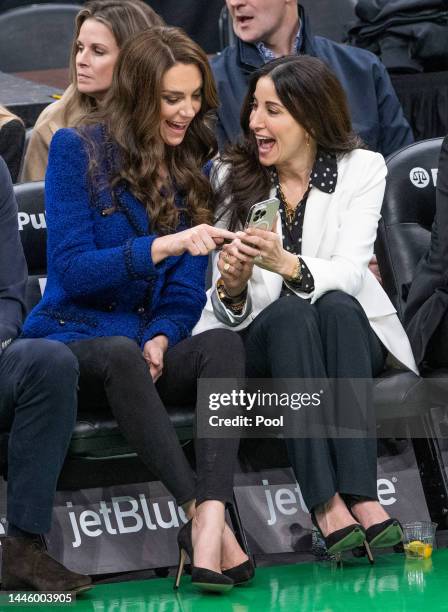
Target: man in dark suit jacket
[266, 29]
[426, 314]
[38, 383]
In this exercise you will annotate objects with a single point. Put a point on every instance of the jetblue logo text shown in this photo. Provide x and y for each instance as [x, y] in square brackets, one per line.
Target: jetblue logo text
[288, 500]
[124, 515]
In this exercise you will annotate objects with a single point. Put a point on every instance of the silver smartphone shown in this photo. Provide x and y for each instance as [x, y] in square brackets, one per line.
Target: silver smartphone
[262, 214]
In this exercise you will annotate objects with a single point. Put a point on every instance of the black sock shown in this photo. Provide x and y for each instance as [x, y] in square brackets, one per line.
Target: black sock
[16, 532]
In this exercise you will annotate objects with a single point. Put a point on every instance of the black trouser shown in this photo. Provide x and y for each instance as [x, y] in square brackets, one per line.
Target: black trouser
[38, 381]
[332, 338]
[437, 349]
[113, 371]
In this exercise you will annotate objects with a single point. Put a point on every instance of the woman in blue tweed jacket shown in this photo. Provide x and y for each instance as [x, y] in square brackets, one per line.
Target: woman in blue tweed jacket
[128, 237]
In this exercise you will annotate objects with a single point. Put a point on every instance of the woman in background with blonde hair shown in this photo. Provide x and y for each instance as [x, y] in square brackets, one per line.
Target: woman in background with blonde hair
[101, 29]
[12, 138]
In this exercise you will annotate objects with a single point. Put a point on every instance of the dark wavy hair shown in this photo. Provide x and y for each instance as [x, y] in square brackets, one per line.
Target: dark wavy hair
[130, 115]
[314, 97]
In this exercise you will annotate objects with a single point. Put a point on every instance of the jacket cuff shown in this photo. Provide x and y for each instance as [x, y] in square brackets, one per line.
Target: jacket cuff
[173, 331]
[225, 315]
[138, 260]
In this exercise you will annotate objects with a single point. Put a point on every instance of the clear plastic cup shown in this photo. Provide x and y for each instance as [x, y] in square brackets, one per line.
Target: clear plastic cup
[418, 540]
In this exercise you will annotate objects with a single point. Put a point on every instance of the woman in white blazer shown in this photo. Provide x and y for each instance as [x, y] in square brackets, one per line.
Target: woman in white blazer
[301, 294]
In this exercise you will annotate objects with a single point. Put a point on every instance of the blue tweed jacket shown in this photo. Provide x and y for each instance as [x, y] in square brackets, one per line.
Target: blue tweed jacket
[101, 278]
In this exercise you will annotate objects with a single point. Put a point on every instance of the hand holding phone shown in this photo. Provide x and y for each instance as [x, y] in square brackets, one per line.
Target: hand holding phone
[260, 241]
[235, 268]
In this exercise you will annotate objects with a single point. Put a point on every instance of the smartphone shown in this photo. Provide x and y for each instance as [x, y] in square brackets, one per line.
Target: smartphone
[262, 215]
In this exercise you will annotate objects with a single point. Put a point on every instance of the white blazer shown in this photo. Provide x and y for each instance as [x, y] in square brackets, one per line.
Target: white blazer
[339, 233]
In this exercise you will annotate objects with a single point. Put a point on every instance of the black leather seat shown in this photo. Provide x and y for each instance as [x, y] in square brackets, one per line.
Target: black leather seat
[37, 37]
[398, 395]
[98, 453]
[404, 235]
[404, 231]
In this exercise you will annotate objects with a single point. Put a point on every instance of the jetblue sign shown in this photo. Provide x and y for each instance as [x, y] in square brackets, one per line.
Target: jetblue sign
[275, 517]
[116, 529]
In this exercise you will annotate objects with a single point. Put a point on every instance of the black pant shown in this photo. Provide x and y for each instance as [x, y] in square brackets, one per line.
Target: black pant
[38, 381]
[437, 349]
[332, 338]
[113, 371]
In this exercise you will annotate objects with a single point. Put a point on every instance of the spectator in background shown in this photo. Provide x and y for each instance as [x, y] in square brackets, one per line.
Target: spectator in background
[426, 313]
[101, 29]
[38, 381]
[12, 139]
[266, 29]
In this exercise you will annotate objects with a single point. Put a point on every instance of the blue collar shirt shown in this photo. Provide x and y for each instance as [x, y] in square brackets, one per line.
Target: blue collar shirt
[268, 55]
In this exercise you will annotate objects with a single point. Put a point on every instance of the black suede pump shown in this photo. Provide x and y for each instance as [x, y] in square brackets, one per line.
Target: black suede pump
[203, 578]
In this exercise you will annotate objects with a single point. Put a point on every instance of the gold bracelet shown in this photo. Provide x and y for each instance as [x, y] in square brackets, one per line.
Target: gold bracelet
[296, 276]
[236, 309]
[229, 300]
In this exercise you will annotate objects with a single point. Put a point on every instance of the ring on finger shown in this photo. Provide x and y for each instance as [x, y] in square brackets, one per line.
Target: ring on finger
[226, 267]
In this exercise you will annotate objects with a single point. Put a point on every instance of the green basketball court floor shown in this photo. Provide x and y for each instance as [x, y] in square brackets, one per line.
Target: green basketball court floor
[393, 584]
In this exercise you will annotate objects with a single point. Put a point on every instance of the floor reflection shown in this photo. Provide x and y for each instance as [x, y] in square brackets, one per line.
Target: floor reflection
[392, 584]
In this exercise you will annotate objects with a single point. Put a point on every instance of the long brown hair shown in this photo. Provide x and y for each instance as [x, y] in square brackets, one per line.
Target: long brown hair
[130, 114]
[314, 97]
[124, 18]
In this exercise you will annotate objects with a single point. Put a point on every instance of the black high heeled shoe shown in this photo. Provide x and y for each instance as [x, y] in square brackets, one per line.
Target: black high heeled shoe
[385, 534]
[203, 578]
[241, 573]
[347, 538]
